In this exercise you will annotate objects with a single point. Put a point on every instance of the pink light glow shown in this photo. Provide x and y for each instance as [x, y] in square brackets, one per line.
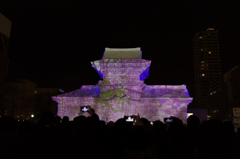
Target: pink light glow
[123, 93]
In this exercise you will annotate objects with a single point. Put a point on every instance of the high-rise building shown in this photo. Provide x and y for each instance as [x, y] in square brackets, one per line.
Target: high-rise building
[207, 69]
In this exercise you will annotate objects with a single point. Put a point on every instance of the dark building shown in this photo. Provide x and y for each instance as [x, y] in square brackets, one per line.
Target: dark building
[5, 30]
[218, 100]
[207, 70]
[227, 78]
[24, 98]
[232, 77]
[222, 99]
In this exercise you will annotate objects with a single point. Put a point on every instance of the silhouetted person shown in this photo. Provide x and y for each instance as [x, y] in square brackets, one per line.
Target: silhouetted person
[138, 146]
[221, 146]
[193, 122]
[65, 119]
[79, 118]
[145, 121]
[114, 141]
[58, 120]
[159, 140]
[159, 127]
[110, 124]
[103, 124]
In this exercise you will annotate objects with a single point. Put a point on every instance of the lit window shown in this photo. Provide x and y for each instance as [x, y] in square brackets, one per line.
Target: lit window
[201, 49]
[203, 75]
[202, 65]
[209, 52]
[202, 61]
[35, 92]
[200, 37]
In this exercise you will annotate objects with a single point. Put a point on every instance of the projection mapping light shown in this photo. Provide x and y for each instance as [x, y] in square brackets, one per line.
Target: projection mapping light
[122, 91]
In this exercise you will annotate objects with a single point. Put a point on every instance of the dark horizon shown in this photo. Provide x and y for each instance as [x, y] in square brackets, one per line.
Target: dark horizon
[52, 44]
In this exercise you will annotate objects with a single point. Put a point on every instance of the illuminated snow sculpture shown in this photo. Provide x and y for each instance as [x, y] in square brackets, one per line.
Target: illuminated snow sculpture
[122, 91]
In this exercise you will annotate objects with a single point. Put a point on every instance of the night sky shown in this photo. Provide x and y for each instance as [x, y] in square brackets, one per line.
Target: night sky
[53, 42]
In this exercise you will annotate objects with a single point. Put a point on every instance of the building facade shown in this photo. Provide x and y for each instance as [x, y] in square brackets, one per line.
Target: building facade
[227, 78]
[218, 100]
[232, 77]
[223, 98]
[5, 30]
[207, 69]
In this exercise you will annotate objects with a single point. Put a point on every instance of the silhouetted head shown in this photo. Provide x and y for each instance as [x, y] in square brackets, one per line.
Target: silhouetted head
[120, 125]
[65, 119]
[158, 126]
[145, 121]
[193, 121]
[95, 118]
[110, 124]
[79, 119]
[103, 123]
[177, 121]
[57, 120]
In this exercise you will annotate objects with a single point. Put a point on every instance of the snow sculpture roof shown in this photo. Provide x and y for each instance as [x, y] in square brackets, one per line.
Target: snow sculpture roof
[127, 53]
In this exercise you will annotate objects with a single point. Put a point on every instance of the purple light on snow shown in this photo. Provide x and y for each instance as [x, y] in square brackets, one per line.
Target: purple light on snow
[122, 92]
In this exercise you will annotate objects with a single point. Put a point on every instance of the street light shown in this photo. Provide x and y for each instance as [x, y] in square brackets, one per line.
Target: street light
[32, 115]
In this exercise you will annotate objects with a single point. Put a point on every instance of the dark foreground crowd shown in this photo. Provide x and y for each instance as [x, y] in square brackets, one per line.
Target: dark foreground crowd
[53, 137]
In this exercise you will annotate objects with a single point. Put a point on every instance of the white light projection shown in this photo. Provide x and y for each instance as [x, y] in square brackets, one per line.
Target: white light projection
[122, 91]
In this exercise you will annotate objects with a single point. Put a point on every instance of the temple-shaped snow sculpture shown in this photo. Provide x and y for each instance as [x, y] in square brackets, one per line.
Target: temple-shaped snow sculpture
[122, 91]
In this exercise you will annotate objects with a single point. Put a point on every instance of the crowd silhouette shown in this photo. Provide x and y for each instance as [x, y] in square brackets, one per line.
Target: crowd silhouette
[89, 137]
